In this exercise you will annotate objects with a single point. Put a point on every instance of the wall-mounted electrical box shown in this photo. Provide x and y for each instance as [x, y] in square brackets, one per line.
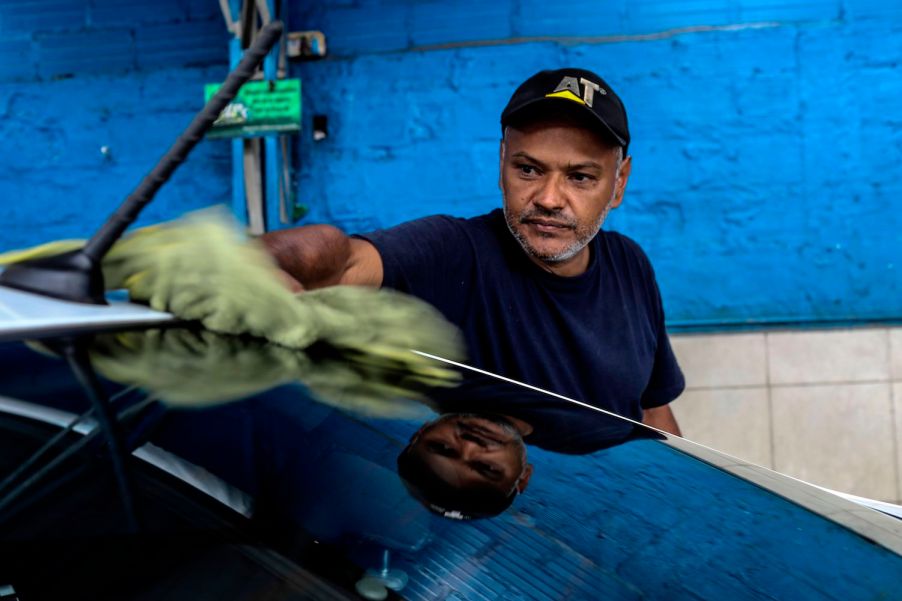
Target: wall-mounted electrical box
[305, 45]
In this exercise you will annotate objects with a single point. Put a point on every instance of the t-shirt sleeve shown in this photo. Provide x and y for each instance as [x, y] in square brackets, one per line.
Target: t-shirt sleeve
[666, 382]
[431, 258]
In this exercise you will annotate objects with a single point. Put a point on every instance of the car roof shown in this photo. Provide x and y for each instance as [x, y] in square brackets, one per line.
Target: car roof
[24, 315]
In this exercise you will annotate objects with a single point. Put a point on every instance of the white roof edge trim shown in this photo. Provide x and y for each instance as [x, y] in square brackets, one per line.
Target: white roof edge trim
[24, 313]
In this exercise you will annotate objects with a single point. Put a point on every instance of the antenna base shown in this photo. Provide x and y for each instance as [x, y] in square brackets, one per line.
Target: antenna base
[71, 276]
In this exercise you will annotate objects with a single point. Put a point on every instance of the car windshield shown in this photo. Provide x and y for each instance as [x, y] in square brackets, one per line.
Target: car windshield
[250, 468]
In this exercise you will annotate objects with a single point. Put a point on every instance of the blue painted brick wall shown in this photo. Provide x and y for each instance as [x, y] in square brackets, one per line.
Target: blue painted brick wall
[26, 16]
[767, 135]
[85, 52]
[79, 75]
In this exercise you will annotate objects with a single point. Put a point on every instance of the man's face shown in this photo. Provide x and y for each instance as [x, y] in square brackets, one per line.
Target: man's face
[559, 181]
[469, 450]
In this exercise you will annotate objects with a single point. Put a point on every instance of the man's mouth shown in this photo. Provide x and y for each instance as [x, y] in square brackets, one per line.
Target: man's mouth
[547, 225]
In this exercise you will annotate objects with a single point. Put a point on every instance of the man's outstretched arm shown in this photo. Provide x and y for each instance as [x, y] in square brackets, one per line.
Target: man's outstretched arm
[315, 256]
[661, 418]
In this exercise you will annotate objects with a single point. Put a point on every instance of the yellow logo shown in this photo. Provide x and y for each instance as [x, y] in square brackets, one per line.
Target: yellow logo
[566, 94]
[569, 89]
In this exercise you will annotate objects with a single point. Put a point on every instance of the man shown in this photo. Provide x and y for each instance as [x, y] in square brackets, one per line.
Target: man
[467, 465]
[541, 293]
[471, 462]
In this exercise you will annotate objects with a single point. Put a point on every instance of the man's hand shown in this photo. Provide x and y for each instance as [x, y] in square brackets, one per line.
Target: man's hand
[290, 283]
[661, 418]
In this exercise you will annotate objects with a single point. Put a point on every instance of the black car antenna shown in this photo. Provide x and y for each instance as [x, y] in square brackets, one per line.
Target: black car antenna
[76, 275]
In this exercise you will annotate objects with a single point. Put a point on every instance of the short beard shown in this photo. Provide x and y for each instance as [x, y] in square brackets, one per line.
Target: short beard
[583, 235]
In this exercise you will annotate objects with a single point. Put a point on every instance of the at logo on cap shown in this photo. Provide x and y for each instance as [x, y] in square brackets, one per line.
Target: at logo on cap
[569, 89]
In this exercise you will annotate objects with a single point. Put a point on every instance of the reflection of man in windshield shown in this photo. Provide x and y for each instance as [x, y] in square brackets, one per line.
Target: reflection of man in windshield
[471, 462]
[467, 465]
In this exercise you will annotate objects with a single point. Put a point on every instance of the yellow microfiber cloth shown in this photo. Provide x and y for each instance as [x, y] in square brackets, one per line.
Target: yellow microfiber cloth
[202, 267]
[193, 367]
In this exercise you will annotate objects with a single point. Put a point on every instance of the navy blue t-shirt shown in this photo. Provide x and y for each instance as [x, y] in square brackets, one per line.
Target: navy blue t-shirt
[597, 337]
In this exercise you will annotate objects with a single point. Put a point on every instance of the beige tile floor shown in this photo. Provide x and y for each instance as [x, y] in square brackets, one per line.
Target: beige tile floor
[824, 406]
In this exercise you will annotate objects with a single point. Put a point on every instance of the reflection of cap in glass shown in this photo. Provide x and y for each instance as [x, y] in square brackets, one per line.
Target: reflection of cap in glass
[440, 497]
[575, 91]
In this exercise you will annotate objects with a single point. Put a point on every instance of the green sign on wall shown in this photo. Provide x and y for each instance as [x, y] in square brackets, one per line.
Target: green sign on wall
[261, 107]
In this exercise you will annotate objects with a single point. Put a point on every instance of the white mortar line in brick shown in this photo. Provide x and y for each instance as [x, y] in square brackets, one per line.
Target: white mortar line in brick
[601, 39]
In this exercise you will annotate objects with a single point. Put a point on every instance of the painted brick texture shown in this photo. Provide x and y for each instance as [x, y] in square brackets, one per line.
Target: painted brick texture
[766, 136]
[77, 76]
[48, 39]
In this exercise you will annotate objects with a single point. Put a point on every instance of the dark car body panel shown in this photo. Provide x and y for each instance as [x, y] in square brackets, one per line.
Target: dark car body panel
[614, 510]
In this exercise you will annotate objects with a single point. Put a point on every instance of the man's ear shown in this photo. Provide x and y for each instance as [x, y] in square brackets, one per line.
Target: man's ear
[500, 163]
[416, 435]
[523, 482]
[622, 178]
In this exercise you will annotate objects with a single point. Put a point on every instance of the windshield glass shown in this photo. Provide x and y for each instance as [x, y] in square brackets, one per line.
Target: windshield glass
[406, 476]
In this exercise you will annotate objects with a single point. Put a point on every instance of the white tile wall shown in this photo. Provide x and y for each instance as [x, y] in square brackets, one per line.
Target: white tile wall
[839, 436]
[712, 361]
[828, 356]
[733, 420]
[824, 406]
[897, 419]
[895, 345]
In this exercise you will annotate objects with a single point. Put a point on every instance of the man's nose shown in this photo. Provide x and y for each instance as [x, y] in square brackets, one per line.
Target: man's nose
[551, 195]
[470, 450]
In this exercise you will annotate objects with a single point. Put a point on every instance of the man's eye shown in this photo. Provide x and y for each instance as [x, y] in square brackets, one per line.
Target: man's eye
[527, 170]
[488, 470]
[582, 177]
[440, 449]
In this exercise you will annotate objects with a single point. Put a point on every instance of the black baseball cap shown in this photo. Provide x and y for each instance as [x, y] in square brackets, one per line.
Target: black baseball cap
[573, 91]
